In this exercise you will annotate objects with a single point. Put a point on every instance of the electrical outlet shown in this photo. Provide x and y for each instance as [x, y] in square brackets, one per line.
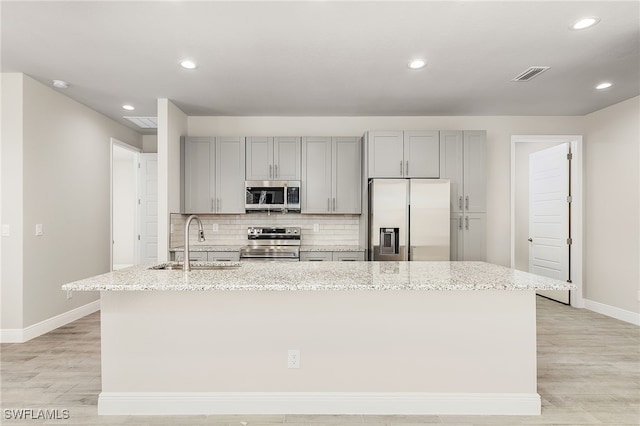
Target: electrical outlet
[293, 358]
[39, 231]
[6, 230]
[316, 227]
[215, 227]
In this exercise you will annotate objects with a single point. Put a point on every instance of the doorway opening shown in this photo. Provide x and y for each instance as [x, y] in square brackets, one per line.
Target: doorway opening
[124, 208]
[522, 246]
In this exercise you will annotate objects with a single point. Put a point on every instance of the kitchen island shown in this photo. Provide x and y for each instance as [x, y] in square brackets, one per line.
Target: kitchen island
[372, 338]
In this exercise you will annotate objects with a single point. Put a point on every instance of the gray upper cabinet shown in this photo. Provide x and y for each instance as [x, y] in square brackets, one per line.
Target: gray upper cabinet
[273, 158]
[213, 175]
[386, 158]
[331, 175]
[422, 154]
[397, 154]
[463, 160]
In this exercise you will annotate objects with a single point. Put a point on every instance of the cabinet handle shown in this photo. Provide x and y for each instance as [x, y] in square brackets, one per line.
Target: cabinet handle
[270, 171]
[212, 205]
[460, 203]
[334, 204]
[328, 204]
[401, 172]
[460, 223]
[275, 174]
[466, 223]
[219, 204]
[406, 169]
[466, 202]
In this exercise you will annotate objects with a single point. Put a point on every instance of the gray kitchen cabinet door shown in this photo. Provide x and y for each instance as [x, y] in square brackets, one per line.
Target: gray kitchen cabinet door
[199, 185]
[229, 175]
[316, 174]
[259, 158]
[286, 158]
[317, 256]
[422, 154]
[456, 233]
[474, 240]
[451, 166]
[386, 158]
[346, 167]
[475, 171]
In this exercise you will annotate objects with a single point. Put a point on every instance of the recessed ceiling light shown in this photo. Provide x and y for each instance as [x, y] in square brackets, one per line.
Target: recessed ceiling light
[585, 23]
[604, 85]
[60, 84]
[128, 107]
[416, 64]
[188, 65]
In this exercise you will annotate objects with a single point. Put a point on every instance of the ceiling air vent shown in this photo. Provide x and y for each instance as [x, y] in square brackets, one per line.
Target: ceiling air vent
[144, 122]
[530, 73]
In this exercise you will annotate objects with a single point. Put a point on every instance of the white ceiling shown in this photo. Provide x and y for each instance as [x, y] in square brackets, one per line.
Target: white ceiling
[321, 58]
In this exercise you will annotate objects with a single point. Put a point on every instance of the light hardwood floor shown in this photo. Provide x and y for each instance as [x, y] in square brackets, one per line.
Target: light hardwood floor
[588, 373]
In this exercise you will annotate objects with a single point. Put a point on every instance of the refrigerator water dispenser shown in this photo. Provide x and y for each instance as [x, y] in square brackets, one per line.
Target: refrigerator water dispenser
[389, 240]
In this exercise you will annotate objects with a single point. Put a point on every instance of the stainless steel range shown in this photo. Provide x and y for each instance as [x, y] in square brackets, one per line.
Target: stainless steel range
[272, 244]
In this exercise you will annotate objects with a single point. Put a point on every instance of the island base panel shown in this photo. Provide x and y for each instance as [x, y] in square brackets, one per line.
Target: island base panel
[361, 352]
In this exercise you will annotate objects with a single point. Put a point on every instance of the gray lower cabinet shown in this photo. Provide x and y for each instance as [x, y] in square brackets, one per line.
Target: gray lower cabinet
[331, 177]
[213, 175]
[273, 158]
[209, 256]
[328, 256]
[468, 236]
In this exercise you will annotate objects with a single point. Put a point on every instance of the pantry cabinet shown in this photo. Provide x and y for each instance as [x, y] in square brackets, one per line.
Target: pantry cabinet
[212, 174]
[331, 175]
[403, 154]
[273, 158]
[463, 162]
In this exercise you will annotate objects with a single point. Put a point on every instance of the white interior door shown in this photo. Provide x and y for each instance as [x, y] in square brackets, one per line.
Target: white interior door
[549, 216]
[148, 208]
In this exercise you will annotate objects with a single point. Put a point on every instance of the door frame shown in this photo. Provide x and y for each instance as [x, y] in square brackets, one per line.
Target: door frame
[115, 142]
[577, 205]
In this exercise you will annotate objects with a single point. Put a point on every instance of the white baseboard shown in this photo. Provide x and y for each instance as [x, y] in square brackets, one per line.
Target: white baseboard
[371, 403]
[613, 312]
[21, 335]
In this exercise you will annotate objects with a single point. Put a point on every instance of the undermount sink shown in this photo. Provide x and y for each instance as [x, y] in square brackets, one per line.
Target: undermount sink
[197, 266]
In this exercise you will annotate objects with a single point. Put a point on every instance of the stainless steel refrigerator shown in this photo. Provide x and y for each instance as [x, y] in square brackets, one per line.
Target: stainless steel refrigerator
[409, 219]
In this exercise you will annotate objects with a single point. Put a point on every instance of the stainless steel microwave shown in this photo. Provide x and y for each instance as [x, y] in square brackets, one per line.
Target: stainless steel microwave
[272, 195]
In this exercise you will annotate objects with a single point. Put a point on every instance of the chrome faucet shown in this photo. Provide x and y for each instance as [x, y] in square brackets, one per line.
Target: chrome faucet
[187, 262]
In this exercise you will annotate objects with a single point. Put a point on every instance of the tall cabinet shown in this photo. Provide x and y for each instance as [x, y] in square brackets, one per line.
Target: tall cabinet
[331, 176]
[213, 174]
[463, 158]
[273, 158]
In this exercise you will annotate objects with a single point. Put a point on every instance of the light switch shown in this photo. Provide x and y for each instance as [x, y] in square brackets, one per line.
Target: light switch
[316, 227]
[215, 227]
[39, 229]
[6, 230]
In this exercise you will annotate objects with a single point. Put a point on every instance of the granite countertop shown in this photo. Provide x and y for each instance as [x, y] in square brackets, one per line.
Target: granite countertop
[331, 248]
[323, 276]
[207, 248]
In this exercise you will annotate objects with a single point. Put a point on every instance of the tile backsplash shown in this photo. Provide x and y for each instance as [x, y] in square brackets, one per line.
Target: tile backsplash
[232, 229]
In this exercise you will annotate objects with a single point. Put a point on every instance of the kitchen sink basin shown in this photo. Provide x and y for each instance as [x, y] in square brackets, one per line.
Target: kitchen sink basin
[197, 266]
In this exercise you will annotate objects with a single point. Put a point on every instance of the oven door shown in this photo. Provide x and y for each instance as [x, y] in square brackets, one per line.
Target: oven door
[269, 254]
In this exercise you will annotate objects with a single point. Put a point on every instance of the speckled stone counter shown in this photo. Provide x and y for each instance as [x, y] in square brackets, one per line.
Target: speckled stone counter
[323, 276]
[330, 248]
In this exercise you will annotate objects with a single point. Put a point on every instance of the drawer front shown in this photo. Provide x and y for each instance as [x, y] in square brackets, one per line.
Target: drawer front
[318, 256]
[223, 256]
[200, 256]
[348, 256]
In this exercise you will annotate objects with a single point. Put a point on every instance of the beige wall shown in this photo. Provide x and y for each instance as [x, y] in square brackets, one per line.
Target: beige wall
[499, 132]
[612, 198]
[149, 143]
[66, 181]
[172, 124]
[11, 201]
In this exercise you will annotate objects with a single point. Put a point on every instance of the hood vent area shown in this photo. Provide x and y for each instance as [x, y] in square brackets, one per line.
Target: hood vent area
[530, 73]
[144, 122]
